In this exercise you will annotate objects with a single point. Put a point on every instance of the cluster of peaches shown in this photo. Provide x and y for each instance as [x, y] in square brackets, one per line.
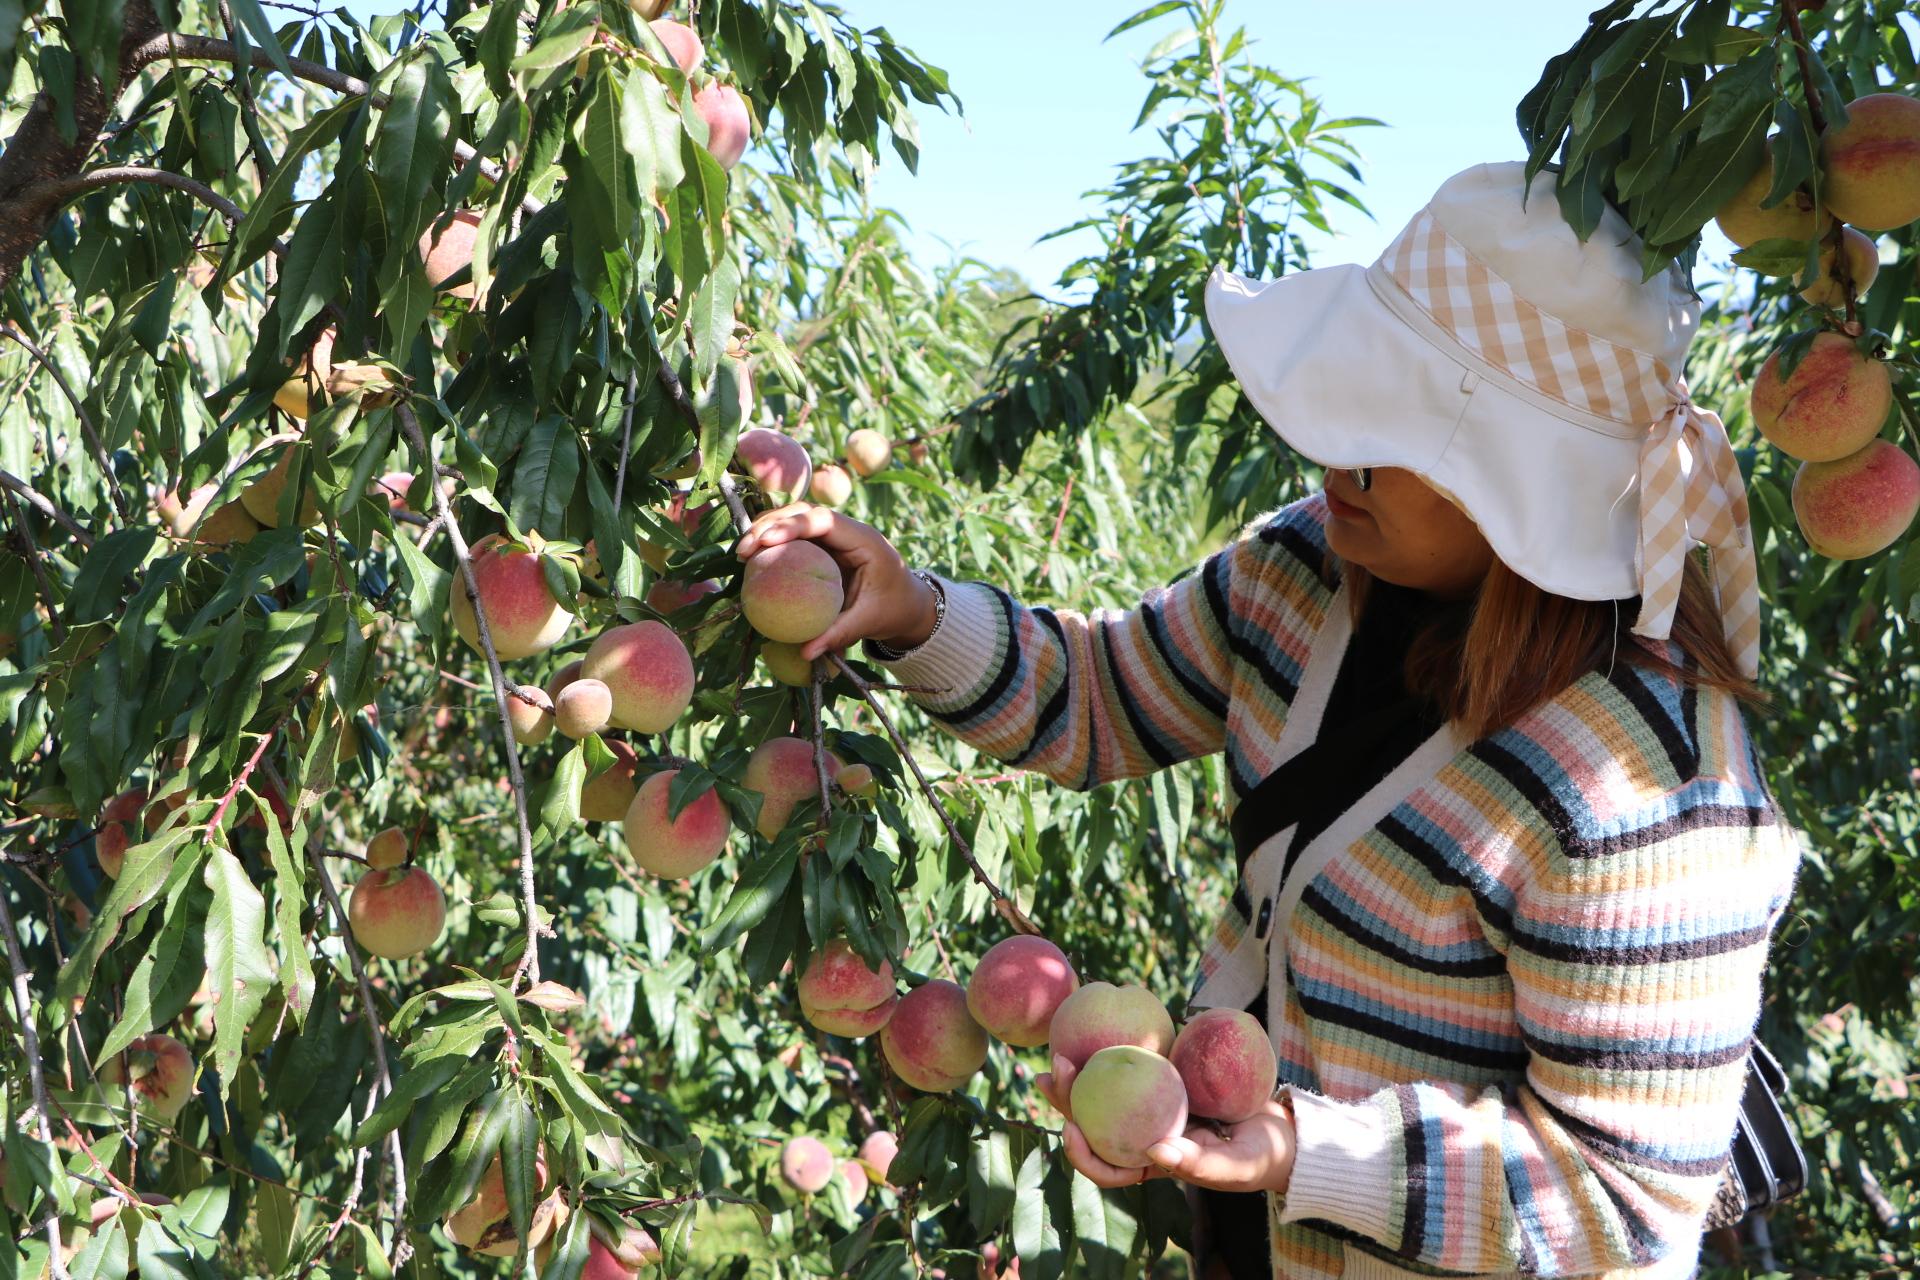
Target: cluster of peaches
[1135, 1082]
[1855, 493]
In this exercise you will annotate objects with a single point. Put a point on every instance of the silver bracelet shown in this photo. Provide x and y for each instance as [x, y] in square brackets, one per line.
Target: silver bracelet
[886, 653]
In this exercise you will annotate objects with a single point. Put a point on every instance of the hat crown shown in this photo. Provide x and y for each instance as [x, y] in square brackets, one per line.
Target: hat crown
[1520, 235]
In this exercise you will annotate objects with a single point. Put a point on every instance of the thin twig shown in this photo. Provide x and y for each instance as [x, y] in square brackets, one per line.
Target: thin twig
[23, 1007]
[39, 503]
[529, 966]
[626, 439]
[87, 427]
[39, 569]
[820, 752]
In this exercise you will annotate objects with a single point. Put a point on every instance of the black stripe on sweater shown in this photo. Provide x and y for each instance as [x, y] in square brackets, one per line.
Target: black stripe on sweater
[1210, 700]
[1608, 1145]
[1003, 679]
[1413, 1135]
[1491, 965]
[1655, 953]
[1624, 1060]
[1407, 1038]
[1443, 871]
[1677, 738]
[1056, 705]
[1143, 730]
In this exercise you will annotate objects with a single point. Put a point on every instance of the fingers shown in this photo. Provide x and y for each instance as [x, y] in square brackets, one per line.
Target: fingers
[1245, 1158]
[1098, 1171]
[784, 524]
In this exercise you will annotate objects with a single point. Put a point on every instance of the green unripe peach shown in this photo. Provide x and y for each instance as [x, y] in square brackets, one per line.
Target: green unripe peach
[1125, 1099]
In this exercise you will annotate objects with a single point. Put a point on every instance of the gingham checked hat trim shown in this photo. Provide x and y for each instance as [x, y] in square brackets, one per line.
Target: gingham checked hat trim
[1484, 315]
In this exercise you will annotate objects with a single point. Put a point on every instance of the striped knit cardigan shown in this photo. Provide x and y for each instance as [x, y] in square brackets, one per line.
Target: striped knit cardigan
[1513, 1013]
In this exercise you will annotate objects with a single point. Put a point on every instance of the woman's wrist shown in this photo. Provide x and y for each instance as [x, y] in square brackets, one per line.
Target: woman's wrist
[925, 614]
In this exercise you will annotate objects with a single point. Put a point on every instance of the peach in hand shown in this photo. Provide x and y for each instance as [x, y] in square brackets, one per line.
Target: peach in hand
[791, 591]
[161, 1071]
[1836, 401]
[397, 913]
[1016, 988]
[1226, 1062]
[648, 670]
[1100, 1015]
[1125, 1099]
[1858, 505]
[675, 848]
[931, 1041]
[841, 996]
[523, 618]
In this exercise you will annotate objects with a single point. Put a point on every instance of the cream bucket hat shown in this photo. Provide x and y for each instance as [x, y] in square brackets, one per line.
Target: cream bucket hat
[1533, 379]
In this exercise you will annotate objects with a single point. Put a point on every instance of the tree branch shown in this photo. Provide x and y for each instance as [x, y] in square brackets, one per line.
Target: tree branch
[87, 427]
[39, 503]
[37, 1080]
[529, 966]
[44, 197]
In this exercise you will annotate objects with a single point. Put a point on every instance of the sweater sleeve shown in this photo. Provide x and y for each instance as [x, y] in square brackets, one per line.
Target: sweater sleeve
[1084, 699]
[1637, 987]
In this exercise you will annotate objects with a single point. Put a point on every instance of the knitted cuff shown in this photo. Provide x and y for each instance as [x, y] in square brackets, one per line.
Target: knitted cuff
[957, 658]
[1343, 1171]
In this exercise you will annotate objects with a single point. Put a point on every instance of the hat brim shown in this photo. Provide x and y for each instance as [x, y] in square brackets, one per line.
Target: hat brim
[1345, 381]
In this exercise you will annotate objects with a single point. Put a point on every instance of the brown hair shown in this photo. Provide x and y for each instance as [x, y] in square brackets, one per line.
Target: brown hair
[1514, 646]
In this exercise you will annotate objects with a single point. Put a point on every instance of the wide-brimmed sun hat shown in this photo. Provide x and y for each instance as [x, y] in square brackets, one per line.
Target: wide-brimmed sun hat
[1534, 379]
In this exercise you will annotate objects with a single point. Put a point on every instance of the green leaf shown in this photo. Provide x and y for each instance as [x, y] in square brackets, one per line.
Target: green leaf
[990, 1183]
[1104, 1229]
[427, 588]
[254, 20]
[1036, 1238]
[1730, 146]
[519, 1148]
[545, 476]
[270, 212]
[560, 809]
[1777, 257]
[651, 131]
[145, 869]
[167, 974]
[108, 564]
[756, 893]
[315, 265]
[239, 968]
[413, 147]
[1146, 15]
[420, 1081]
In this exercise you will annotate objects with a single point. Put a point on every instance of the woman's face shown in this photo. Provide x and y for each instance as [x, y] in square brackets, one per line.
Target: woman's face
[1403, 531]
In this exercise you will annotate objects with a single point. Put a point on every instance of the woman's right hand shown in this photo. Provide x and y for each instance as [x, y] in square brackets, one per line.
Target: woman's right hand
[884, 601]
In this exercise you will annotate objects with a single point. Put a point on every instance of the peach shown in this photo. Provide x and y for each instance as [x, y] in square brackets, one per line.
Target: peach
[1745, 223]
[311, 372]
[841, 996]
[831, 486]
[562, 677]
[523, 618]
[226, 523]
[1834, 403]
[806, 1164]
[776, 462]
[261, 497]
[878, 1151]
[1873, 164]
[484, 1225]
[1226, 1062]
[391, 488]
[1100, 1015]
[583, 707]
[856, 1179]
[675, 848]
[397, 913]
[161, 1072]
[1863, 264]
[1016, 988]
[448, 248]
[785, 664]
[117, 831]
[1858, 505]
[868, 452]
[530, 712]
[782, 771]
[619, 1258]
[648, 9]
[682, 42]
[791, 592]
[388, 849]
[648, 671]
[932, 1042]
[918, 452]
[1125, 1099]
[667, 596]
[858, 780]
[729, 126]
[609, 794]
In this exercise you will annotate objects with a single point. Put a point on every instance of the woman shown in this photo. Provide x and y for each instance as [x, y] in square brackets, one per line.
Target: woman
[1508, 865]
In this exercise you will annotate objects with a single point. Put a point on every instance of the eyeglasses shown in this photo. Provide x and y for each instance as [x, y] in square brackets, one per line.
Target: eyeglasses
[1362, 477]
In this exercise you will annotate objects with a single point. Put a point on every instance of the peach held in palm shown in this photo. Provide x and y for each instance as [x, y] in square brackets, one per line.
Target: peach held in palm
[523, 618]
[878, 1151]
[1226, 1062]
[396, 913]
[609, 794]
[1101, 1015]
[776, 462]
[1745, 223]
[675, 848]
[647, 669]
[161, 1072]
[449, 248]
[783, 772]
[806, 1164]
[931, 1041]
[583, 707]
[841, 996]
[1859, 505]
[1125, 1099]
[1836, 401]
[484, 1224]
[729, 127]
[1873, 164]
[1016, 988]
[791, 592]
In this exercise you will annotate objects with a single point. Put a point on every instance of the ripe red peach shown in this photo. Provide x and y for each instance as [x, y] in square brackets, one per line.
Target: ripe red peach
[1858, 505]
[161, 1071]
[682, 41]
[668, 596]
[523, 618]
[868, 452]
[1100, 1015]
[878, 1151]
[831, 486]
[388, 849]
[1863, 264]
[1016, 988]
[931, 1041]
[856, 1179]
[562, 677]
[397, 913]
[675, 848]
[609, 794]
[484, 1225]
[530, 712]
[729, 125]
[1226, 1062]
[447, 249]
[1125, 1099]
[1836, 401]
[782, 771]
[619, 1258]
[583, 707]
[1745, 223]
[806, 1164]
[117, 829]
[776, 462]
[1873, 164]
[841, 996]
[785, 664]
[647, 669]
[791, 591]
